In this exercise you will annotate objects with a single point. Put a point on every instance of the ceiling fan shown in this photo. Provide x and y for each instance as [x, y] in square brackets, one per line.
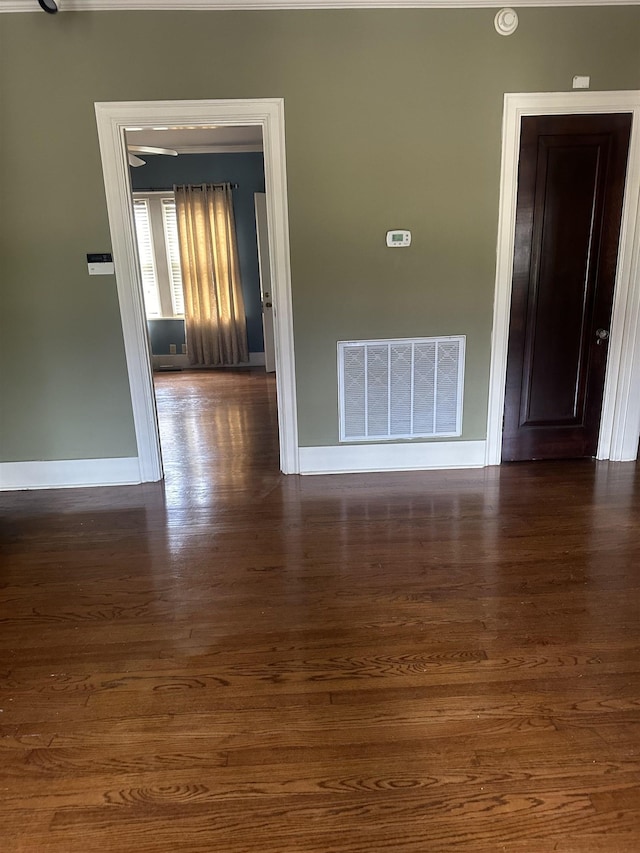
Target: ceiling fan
[134, 150]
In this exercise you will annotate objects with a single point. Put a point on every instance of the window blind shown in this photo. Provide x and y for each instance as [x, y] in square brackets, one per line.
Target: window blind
[170, 225]
[146, 256]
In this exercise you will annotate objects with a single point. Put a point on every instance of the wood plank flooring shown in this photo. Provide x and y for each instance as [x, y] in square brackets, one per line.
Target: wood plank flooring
[238, 661]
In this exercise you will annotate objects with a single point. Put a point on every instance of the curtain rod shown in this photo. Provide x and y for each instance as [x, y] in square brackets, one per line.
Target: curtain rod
[170, 189]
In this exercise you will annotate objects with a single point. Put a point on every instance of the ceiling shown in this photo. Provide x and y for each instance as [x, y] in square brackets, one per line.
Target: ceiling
[197, 140]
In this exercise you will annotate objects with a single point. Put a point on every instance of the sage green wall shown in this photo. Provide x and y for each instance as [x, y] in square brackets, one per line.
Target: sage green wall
[393, 119]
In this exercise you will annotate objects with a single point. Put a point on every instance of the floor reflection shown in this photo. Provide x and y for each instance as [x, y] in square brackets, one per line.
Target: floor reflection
[218, 433]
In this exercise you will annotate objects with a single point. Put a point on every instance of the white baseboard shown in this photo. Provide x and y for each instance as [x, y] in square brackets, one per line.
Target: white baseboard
[414, 456]
[342, 459]
[178, 360]
[69, 473]
[256, 359]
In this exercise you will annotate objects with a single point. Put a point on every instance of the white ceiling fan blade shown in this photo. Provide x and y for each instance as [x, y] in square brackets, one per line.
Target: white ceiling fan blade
[135, 161]
[149, 149]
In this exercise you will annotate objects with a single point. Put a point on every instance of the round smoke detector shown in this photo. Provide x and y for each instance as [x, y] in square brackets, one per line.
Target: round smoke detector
[506, 21]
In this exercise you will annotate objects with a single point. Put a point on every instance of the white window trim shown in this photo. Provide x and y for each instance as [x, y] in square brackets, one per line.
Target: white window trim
[163, 276]
[146, 256]
[177, 286]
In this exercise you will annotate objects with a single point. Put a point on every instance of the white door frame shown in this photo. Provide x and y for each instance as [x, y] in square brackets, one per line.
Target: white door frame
[620, 423]
[113, 118]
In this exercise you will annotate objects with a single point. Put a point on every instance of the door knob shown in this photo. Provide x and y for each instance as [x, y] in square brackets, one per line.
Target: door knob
[602, 335]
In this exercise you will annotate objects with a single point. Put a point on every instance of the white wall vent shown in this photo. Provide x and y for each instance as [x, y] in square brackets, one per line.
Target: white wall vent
[401, 388]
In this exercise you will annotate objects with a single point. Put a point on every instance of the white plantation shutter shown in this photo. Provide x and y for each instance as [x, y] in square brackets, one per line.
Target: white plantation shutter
[173, 254]
[402, 388]
[147, 257]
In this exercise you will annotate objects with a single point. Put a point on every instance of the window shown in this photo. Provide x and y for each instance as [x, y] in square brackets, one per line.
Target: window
[147, 257]
[170, 224]
[159, 253]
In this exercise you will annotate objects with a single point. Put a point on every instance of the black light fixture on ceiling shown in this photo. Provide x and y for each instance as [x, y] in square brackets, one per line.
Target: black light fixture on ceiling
[49, 6]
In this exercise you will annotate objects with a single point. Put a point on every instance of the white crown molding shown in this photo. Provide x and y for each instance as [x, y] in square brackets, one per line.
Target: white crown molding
[265, 5]
[219, 149]
[214, 149]
[405, 456]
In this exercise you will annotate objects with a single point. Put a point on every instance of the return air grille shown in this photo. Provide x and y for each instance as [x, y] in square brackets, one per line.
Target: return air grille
[402, 388]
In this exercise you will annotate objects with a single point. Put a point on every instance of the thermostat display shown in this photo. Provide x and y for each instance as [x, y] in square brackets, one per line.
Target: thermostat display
[100, 263]
[398, 239]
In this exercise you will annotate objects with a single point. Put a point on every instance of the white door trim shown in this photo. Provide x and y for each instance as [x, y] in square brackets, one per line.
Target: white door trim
[620, 424]
[113, 118]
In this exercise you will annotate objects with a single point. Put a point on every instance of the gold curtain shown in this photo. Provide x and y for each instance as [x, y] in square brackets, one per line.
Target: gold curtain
[214, 314]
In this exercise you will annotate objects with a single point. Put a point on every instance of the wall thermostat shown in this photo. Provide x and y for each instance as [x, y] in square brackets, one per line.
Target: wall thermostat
[581, 82]
[100, 263]
[398, 239]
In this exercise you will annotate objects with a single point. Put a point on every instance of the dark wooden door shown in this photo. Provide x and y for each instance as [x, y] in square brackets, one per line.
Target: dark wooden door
[570, 192]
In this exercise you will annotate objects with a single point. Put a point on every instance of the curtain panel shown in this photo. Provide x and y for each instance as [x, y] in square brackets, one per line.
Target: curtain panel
[215, 319]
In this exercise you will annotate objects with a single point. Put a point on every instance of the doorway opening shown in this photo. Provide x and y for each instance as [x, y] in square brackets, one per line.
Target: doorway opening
[115, 120]
[203, 253]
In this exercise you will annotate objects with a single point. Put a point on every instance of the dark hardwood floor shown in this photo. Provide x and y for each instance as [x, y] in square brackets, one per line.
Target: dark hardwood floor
[238, 661]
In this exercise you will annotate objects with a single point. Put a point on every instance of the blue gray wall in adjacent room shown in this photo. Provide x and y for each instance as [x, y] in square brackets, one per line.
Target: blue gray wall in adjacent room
[246, 170]
[164, 332]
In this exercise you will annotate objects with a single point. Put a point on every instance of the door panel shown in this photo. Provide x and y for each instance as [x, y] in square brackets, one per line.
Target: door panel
[570, 191]
[264, 266]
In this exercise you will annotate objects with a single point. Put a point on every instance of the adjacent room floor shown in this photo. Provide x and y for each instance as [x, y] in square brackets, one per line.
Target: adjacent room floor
[239, 661]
